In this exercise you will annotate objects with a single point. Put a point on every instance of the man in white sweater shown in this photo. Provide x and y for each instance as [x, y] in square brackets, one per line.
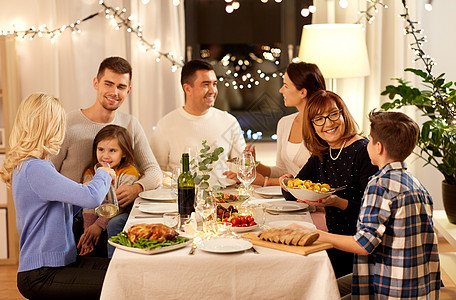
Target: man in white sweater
[186, 127]
[113, 86]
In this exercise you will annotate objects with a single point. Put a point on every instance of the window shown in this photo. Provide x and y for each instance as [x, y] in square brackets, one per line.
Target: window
[249, 49]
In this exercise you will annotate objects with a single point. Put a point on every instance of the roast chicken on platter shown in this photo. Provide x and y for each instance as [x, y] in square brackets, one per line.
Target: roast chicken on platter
[159, 232]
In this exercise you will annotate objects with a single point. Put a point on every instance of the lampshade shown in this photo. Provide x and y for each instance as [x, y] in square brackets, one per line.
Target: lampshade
[339, 50]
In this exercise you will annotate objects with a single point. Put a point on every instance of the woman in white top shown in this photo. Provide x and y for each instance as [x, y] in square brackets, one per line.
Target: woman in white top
[301, 80]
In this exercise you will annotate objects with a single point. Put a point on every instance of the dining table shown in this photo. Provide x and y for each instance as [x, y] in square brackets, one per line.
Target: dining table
[267, 274]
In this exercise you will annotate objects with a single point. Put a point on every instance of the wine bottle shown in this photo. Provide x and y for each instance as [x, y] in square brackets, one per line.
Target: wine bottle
[186, 189]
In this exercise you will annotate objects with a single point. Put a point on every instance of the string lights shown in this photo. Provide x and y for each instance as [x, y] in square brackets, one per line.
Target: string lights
[372, 7]
[244, 72]
[118, 18]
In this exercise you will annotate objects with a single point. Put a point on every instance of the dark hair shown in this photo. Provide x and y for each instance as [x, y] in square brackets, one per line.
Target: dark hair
[190, 68]
[306, 76]
[125, 143]
[116, 64]
[315, 106]
[397, 132]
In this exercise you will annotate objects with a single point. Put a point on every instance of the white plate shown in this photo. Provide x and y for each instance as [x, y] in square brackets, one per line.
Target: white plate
[160, 195]
[285, 223]
[244, 229]
[226, 181]
[285, 206]
[151, 251]
[157, 208]
[225, 245]
[269, 190]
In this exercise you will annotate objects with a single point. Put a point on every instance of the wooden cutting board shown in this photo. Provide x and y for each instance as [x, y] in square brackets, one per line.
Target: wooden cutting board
[303, 250]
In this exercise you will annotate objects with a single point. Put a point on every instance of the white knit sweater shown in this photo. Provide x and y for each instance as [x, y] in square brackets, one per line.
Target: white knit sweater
[285, 164]
[76, 151]
[179, 130]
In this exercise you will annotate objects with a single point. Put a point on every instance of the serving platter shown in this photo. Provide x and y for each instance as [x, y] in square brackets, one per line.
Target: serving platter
[158, 195]
[244, 229]
[285, 206]
[151, 251]
[224, 245]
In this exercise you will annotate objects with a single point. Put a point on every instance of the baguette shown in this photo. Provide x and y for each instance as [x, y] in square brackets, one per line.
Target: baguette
[289, 236]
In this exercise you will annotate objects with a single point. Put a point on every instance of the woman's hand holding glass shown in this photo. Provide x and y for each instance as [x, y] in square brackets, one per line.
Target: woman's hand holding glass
[109, 207]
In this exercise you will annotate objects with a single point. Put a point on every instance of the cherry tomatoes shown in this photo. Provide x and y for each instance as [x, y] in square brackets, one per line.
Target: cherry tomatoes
[235, 221]
[252, 223]
[242, 219]
[249, 219]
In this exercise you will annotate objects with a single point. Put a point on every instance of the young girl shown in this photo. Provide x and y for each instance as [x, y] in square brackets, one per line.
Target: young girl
[49, 267]
[112, 145]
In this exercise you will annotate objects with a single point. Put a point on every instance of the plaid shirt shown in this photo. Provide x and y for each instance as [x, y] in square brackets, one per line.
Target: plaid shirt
[395, 226]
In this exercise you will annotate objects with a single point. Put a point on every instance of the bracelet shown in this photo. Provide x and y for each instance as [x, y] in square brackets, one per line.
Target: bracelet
[266, 179]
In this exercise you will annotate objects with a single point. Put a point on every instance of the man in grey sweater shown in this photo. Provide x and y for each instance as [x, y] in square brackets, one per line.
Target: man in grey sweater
[113, 86]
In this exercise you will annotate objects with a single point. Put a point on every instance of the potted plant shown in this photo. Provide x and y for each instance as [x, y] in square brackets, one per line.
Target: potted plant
[437, 101]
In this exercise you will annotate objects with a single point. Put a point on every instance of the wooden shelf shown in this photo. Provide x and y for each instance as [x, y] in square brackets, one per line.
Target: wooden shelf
[448, 231]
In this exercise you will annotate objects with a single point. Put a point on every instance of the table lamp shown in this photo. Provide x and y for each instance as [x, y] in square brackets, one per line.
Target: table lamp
[339, 50]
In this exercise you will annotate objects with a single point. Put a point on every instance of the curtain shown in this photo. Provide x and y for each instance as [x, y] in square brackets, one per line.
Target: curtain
[67, 67]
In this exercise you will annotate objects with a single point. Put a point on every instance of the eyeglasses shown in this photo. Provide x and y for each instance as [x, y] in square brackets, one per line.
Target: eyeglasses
[321, 120]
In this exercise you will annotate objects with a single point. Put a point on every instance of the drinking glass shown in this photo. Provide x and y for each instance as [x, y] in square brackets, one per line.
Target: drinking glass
[109, 207]
[258, 213]
[175, 178]
[246, 171]
[206, 205]
[171, 220]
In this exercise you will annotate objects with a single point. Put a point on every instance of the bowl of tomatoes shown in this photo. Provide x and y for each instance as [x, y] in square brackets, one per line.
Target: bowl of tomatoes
[229, 199]
[238, 222]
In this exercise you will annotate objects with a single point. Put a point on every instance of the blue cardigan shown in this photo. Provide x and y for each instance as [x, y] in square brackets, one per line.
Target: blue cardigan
[44, 202]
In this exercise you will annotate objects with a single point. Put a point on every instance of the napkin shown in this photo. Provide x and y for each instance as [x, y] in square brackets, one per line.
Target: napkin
[190, 225]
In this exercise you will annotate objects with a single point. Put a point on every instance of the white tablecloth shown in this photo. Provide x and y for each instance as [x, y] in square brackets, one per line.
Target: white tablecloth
[272, 274]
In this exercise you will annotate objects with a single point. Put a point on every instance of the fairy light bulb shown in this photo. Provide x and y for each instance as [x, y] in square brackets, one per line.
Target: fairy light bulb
[343, 3]
[229, 9]
[305, 12]
[312, 9]
[236, 5]
[428, 6]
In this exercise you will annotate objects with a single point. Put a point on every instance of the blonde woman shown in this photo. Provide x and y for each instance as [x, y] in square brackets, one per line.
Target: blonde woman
[49, 267]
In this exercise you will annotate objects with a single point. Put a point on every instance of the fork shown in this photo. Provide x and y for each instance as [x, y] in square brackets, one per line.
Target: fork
[254, 250]
[192, 250]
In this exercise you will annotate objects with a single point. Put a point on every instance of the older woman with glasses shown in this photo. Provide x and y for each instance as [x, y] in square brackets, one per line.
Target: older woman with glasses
[339, 158]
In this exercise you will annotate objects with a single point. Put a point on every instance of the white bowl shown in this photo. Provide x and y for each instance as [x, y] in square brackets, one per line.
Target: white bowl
[305, 194]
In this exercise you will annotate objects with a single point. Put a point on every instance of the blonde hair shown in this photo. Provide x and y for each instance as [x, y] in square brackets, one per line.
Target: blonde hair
[38, 131]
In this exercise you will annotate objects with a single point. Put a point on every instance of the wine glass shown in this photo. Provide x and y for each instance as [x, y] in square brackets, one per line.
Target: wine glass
[206, 205]
[109, 207]
[246, 171]
[175, 178]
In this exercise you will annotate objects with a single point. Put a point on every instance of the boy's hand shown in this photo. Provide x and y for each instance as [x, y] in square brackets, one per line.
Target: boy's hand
[331, 200]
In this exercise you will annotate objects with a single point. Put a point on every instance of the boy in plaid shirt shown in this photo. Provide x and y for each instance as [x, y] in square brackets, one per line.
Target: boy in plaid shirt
[396, 254]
